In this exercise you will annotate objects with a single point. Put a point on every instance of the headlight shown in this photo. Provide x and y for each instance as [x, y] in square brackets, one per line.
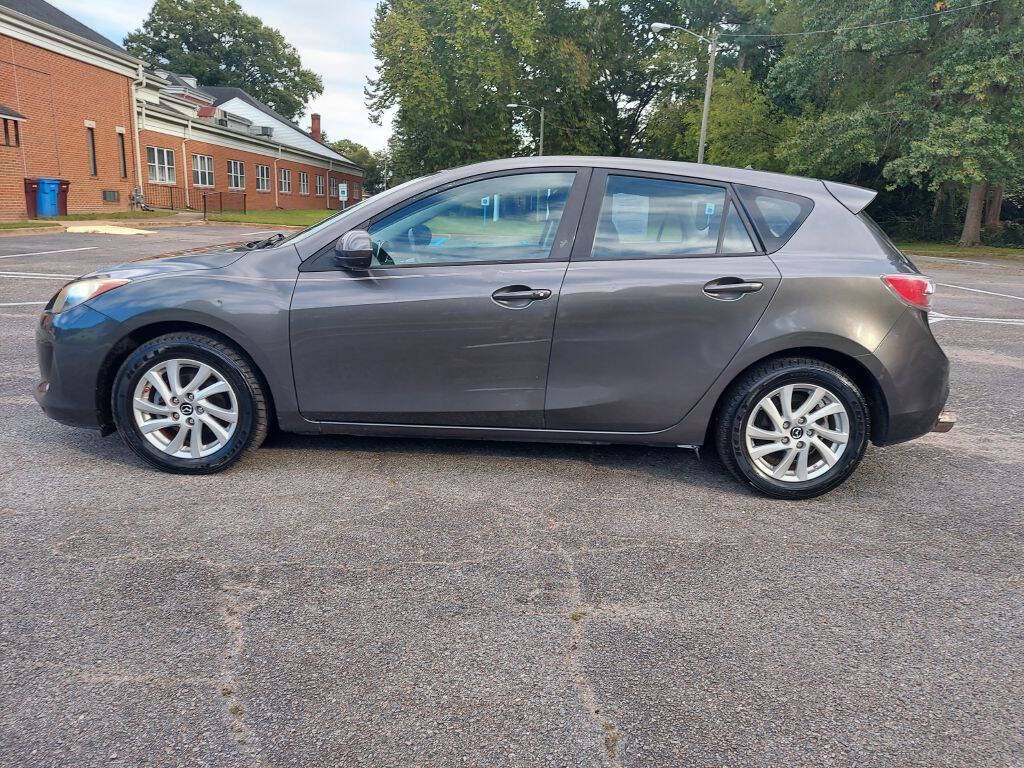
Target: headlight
[77, 291]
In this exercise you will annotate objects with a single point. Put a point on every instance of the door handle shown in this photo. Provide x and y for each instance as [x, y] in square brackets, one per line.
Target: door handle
[726, 286]
[520, 294]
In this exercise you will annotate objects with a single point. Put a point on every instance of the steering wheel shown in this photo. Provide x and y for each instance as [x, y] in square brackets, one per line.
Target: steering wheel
[381, 252]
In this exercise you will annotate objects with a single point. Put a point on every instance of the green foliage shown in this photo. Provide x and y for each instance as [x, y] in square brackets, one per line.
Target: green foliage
[216, 42]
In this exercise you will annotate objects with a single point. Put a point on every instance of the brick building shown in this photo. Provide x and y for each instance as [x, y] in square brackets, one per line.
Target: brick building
[76, 106]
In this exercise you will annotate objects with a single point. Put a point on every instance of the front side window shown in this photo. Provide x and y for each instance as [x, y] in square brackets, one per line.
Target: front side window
[644, 218]
[161, 165]
[202, 170]
[505, 218]
[303, 183]
[285, 177]
[236, 174]
[263, 178]
[319, 186]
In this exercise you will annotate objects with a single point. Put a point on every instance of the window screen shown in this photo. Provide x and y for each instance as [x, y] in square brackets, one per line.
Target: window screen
[643, 218]
[776, 215]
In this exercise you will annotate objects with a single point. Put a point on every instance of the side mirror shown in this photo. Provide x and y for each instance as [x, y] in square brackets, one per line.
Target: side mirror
[354, 250]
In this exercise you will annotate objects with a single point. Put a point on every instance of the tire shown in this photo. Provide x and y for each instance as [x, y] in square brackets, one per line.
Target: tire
[754, 441]
[223, 416]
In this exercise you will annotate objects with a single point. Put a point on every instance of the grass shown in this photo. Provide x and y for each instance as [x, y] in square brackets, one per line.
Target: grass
[24, 224]
[298, 218]
[99, 215]
[952, 250]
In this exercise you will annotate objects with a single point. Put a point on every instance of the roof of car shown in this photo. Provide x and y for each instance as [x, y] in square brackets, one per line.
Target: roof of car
[779, 181]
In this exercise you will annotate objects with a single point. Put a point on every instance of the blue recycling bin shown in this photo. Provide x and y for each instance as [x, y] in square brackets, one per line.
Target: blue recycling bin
[46, 198]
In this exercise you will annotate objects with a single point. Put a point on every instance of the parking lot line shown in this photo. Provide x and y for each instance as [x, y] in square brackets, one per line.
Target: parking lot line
[936, 317]
[22, 303]
[15, 273]
[30, 276]
[978, 290]
[46, 253]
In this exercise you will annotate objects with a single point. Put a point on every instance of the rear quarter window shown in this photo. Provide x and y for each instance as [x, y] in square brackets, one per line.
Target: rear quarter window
[776, 215]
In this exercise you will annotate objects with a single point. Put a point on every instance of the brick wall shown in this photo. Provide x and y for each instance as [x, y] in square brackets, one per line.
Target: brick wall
[57, 95]
[161, 194]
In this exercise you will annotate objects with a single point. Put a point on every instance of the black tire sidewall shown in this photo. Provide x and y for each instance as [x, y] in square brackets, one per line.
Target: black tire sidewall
[835, 382]
[157, 351]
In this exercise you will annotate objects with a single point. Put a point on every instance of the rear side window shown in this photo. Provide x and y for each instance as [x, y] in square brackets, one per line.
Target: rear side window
[647, 218]
[776, 215]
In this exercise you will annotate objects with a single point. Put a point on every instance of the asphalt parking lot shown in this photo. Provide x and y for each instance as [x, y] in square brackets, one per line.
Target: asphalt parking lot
[376, 602]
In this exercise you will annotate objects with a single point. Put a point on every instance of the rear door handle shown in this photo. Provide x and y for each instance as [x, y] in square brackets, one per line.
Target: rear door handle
[520, 295]
[732, 286]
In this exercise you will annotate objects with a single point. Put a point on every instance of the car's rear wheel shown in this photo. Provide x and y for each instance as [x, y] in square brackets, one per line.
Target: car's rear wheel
[189, 403]
[793, 428]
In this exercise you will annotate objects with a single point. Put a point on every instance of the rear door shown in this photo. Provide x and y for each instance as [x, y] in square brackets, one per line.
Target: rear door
[665, 283]
[451, 325]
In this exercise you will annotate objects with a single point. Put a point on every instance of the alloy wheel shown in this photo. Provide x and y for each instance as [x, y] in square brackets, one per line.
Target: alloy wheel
[185, 408]
[797, 432]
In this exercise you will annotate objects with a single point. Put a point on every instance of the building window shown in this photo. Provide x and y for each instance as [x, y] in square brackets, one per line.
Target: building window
[123, 156]
[12, 136]
[334, 187]
[263, 178]
[319, 186]
[285, 175]
[303, 183]
[202, 170]
[355, 192]
[161, 165]
[90, 135]
[236, 174]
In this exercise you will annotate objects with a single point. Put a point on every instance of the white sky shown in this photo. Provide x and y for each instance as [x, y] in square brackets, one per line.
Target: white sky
[333, 39]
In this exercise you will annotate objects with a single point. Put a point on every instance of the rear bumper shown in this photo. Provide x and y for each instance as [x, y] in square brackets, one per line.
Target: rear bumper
[71, 348]
[914, 379]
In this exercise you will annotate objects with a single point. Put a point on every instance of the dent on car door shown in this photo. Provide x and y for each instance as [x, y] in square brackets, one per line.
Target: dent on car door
[451, 325]
[664, 286]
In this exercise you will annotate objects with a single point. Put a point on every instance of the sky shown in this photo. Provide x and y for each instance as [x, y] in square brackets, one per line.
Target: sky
[333, 39]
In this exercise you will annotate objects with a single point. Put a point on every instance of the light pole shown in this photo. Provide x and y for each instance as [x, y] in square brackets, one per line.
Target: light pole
[539, 112]
[658, 27]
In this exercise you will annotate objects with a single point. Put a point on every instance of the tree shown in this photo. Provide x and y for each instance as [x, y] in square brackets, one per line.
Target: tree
[931, 103]
[220, 45]
[365, 159]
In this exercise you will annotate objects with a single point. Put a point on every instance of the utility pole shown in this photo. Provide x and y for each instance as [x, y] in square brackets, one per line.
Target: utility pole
[540, 112]
[712, 53]
[659, 27]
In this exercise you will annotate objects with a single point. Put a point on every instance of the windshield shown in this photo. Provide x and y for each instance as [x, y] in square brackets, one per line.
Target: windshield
[330, 220]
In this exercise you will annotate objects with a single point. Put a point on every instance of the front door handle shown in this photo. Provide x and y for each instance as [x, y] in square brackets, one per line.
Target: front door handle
[520, 295]
[731, 287]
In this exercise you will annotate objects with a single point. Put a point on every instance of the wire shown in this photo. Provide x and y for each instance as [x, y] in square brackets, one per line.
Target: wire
[863, 26]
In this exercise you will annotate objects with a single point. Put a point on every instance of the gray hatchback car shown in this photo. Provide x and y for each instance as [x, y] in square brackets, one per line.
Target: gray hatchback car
[571, 299]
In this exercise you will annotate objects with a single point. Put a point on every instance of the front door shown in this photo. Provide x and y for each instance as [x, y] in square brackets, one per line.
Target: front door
[452, 323]
[660, 295]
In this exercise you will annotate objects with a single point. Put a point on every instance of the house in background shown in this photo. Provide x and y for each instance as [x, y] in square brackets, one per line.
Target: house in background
[76, 106]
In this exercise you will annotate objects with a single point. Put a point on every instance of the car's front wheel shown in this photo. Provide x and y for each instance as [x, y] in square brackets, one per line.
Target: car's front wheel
[189, 403]
[793, 428]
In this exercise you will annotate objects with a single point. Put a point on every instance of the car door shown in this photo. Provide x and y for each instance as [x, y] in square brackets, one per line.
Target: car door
[451, 324]
[664, 286]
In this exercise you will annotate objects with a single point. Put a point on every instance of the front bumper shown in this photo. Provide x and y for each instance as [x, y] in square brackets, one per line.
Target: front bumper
[71, 348]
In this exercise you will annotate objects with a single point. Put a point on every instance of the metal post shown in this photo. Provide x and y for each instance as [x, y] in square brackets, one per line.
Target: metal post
[712, 53]
[541, 153]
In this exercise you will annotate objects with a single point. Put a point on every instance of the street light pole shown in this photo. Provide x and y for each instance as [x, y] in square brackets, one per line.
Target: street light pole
[540, 112]
[658, 27]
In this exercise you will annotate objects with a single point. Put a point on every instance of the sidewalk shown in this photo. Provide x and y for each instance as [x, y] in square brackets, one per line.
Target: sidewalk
[182, 218]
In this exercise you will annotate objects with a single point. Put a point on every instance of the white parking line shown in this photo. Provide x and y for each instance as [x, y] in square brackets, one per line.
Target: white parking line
[16, 273]
[22, 303]
[261, 232]
[978, 290]
[24, 276]
[938, 317]
[960, 261]
[46, 253]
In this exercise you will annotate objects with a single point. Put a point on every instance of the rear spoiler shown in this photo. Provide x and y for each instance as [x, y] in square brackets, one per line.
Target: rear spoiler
[856, 199]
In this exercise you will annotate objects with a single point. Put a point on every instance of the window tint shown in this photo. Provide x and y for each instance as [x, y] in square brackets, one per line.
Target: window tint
[776, 215]
[645, 218]
[506, 218]
[735, 238]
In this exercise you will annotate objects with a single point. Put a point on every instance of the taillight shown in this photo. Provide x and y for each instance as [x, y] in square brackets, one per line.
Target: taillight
[915, 290]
